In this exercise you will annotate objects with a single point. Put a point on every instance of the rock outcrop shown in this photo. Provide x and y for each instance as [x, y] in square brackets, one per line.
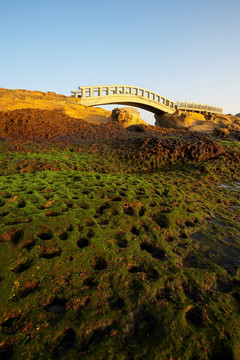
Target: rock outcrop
[197, 122]
[38, 100]
[51, 124]
[127, 116]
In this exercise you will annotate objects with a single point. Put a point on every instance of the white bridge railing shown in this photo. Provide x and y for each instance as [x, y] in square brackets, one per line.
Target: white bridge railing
[94, 95]
[86, 92]
[183, 105]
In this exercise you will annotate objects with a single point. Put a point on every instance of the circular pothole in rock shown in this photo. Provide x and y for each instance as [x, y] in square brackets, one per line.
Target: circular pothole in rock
[29, 243]
[63, 235]
[20, 267]
[152, 204]
[13, 235]
[56, 305]
[49, 253]
[152, 249]
[196, 317]
[90, 233]
[122, 193]
[52, 213]
[128, 210]
[21, 204]
[4, 213]
[135, 231]
[133, 269]
[11, 324]
[142, 211]
[98, 262]
[45, 234]
[2, 202]
[69, 227]
[28, 288]
[83, 242]
[189, 223]
[90, 282]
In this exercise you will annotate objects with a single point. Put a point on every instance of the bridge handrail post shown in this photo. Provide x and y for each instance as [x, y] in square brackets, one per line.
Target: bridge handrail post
[83, 92]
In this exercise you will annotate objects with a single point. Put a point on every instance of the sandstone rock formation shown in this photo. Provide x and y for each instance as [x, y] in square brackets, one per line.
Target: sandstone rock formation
[127, 116]
[25, 99]
[197, 122]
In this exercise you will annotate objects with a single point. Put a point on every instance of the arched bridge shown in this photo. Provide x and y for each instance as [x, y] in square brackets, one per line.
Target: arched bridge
[134, 96]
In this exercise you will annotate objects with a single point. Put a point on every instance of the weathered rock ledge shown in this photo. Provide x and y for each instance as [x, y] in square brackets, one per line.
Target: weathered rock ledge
[198, 122]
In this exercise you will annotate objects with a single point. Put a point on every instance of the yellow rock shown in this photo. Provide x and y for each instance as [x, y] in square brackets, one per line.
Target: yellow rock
[127, 116]
[25, 99]
[194, 121]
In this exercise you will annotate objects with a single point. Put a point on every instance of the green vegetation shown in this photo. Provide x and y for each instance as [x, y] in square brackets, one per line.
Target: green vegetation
[108, 257]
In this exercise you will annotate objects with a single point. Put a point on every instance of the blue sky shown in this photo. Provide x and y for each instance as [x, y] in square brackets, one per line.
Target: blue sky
[184, 50]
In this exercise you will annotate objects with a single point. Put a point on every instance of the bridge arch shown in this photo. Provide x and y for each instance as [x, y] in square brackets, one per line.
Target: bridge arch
[124, 95]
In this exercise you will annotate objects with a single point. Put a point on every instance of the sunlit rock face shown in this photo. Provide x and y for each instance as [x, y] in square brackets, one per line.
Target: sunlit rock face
[11, 100]
[127, 116]
[197, 122]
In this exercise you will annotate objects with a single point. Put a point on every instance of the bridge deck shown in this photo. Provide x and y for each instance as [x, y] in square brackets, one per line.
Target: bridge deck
[183, 105]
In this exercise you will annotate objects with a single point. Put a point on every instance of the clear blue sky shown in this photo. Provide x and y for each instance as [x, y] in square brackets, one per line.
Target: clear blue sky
[184, 50]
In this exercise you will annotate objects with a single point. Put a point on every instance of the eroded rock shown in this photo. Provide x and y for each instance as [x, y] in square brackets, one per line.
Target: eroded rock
[127, 116]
